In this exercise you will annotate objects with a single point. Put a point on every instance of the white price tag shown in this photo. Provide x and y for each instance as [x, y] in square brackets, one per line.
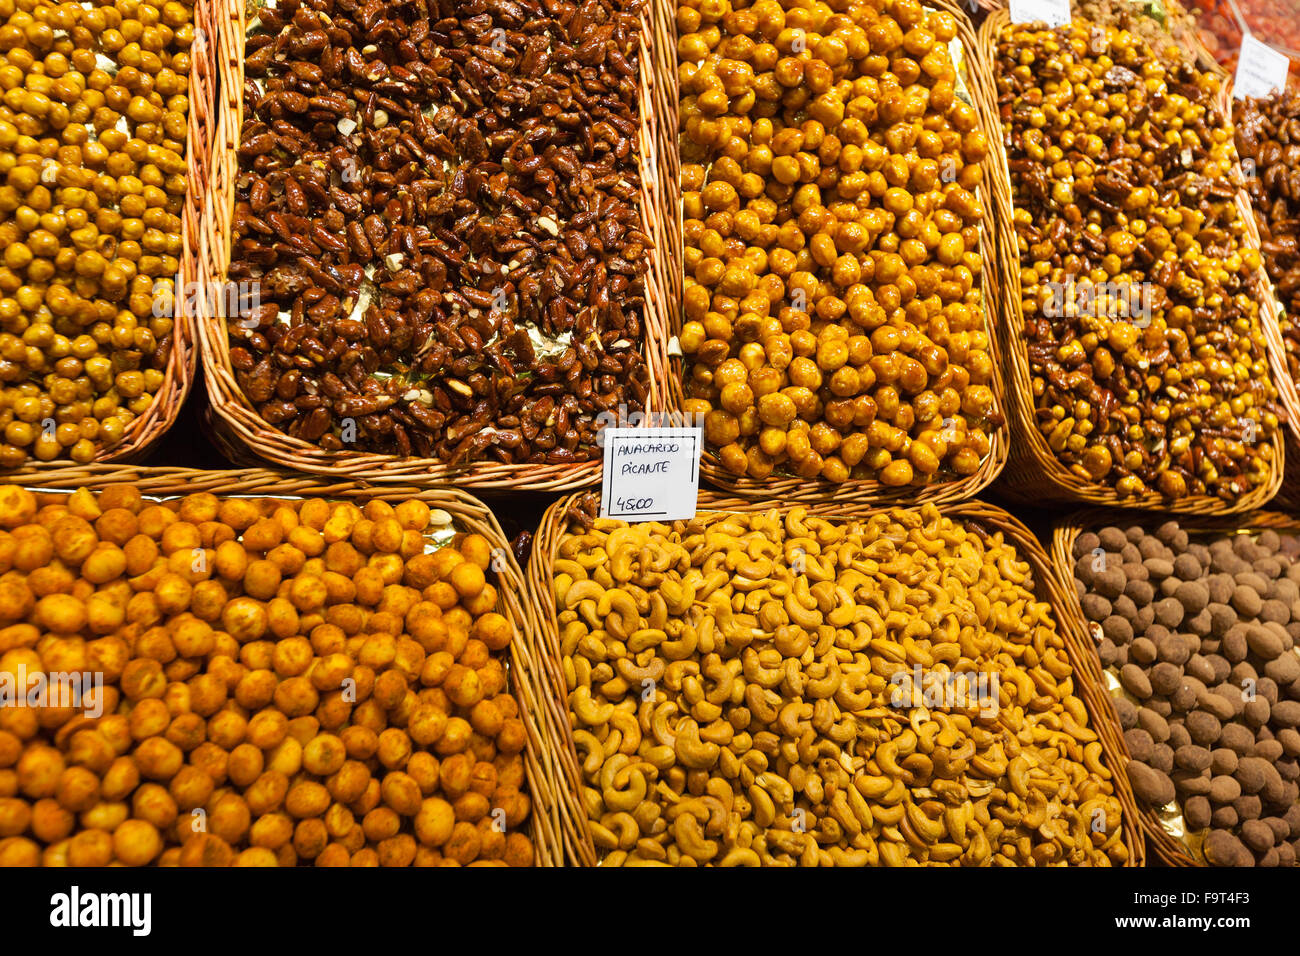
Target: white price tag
[1055, 13]
[651, 474]
[1261, 70]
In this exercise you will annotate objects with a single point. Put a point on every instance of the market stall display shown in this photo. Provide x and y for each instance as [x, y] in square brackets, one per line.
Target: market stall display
[283, 673]
[773, 687]
[1144, 374]
[450, 224]
[1195, 622]
[104, 131]
[834, 318]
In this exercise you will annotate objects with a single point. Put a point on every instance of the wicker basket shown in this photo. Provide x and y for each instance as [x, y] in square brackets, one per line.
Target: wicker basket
[245, 437]
[144, 431]
[468, 514]
[1036, 474]
[579, 848]
[1270, 306]
[1170, 850]
[787, 487]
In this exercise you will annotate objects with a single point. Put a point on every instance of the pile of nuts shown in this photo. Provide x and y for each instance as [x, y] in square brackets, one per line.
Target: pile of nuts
[833, 324]
[92, 149]
[1161, 25]
[276, 681]
[743, 691]
[1149, 365]
[441, 219]
[1268, 139]
[1200, 632]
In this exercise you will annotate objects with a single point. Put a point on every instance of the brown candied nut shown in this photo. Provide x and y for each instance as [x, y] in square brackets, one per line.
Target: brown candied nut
[411, 299]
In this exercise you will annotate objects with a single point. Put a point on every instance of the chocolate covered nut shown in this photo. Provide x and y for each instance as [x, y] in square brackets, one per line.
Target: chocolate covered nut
[1237, 738]
[1085, 543]
[1169, 613]
[1289, 738]
[1113, 539]
[1257, 835]
[1199, 625]
[1270, 750]
[1172, 534]
[1150, 721]
[1220, 588]
[1162, 758]
[1152, 547]
[1192, 757]
[1205, 728]
[1252, 774]
[1159, 568]
[1224, 789]
[1286, 713]
[1106, 652]
[1273, 610]
[1096, 607]
[1224, 849]
[1186, 694]
[1164, 677]
[1246, 601]
[1223, 761]
[1220, 665]
[1192, 594]
[1139, 591]
[1284, 669]
[1196, 811]
[1109, 583]
[1178, 736]
[1248, 806]
[1255, 712]
[1151, 785]
[1143, 651]
[1117, 629]
[1190, 782]
[1125, 607]
[1224, 818]
[1188, 569]
[1139, 743]
[1135, 681]
[1199, 666]
[1127, 712]
[1233, 646]
[1175, 649]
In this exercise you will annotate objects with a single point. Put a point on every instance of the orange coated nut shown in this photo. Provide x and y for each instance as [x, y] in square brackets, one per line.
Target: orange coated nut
[254, 711]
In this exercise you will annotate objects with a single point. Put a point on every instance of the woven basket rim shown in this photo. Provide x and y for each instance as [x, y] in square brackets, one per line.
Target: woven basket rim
[1040, 475]
[246, 438]
[580, 849]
